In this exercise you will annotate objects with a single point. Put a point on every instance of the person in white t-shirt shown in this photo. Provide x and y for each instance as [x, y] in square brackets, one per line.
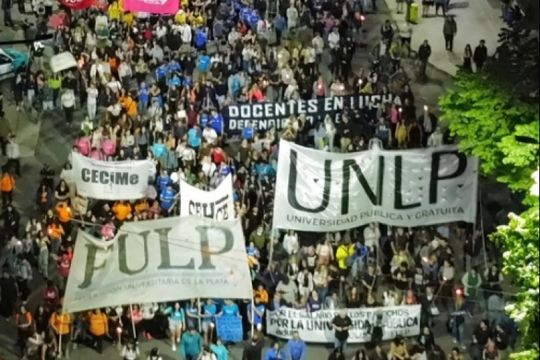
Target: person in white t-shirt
[91, 101]
[372, 235]
[209, 134]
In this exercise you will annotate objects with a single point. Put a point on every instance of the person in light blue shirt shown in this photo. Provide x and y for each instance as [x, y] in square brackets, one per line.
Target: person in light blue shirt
[296, 347]
[220, 350]
[229, 309]
[191, 344]
[194, 136]
[208, 316]
[177, 322]
[159, 150]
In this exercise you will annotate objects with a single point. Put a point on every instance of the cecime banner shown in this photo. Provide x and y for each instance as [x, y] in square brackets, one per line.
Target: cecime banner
[322, 191]
[263, 116]
[111, 180]
[166, 7]
[316, 326]
[216, 204]
[160, 260]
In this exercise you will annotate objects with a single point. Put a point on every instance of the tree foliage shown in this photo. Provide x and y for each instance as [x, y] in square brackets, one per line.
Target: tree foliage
[490, 123]
[520, 241]
[486, 118]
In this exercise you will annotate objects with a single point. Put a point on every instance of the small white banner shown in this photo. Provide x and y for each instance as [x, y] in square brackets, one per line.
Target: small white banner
[321, 191]
[111, 180]
[317, 326]
[159, 260]
[216, 204]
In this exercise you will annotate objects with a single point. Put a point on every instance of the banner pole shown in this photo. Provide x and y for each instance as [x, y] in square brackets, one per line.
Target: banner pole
[60, 333]
[252, 317]
[482, 228]
[199, 313]
[132, 322]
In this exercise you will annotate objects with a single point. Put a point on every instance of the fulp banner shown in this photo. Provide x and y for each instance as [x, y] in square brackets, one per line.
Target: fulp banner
[324, 191]
[111, 180]
[216, 204]
[159, 260]
[316, 326]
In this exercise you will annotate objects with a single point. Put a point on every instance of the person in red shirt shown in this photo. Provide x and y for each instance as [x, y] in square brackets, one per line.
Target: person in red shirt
[50, 296]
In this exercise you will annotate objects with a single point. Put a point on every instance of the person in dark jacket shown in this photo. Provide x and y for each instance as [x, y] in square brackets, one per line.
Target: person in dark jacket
[253, 349]
[480, 55]
[424, 52]
[6, 7]
[449, 31]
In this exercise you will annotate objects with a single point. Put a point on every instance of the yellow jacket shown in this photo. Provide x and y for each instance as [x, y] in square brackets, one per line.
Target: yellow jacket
[343, 252]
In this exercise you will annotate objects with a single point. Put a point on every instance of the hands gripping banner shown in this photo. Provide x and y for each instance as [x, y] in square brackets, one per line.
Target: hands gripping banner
[216, 204]
[323, 191]
[159, 260]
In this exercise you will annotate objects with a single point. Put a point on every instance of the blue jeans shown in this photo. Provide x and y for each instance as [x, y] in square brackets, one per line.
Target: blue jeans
[340, 344]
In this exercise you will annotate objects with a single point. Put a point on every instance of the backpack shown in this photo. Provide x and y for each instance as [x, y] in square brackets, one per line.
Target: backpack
[201, 38]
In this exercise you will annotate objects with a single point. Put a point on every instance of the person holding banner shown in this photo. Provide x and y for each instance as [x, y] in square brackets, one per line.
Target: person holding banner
[208, 320]
[341, 324]
[177, 322]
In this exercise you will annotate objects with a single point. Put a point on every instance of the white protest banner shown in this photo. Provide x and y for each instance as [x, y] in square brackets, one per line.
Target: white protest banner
[110, 180]
[216, 204]
[317, 326]
[160, 260]
[321, 191]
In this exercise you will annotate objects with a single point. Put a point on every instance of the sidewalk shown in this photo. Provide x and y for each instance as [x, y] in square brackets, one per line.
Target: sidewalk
[476, 20]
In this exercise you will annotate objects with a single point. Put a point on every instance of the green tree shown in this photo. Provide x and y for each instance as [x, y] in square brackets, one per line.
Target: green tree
[519, 239]
[486, 118]
[490, 123]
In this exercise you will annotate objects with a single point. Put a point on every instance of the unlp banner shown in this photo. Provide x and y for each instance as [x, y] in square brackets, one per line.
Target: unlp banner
[216, 204]
[317, 326]
[111, 180]
[322, 191]
[263, 116]
[159, 260]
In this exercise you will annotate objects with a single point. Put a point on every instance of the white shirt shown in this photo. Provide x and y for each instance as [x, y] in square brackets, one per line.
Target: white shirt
[318, 44]
[435, 139]
[92, 94]
[12, 150]
[333, 40]
[371, 236]
[185, 33]
[68, 99]
[290, 244]
[209, 135]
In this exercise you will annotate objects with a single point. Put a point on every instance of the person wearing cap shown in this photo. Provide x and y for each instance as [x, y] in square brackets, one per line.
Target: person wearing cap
[191, 344]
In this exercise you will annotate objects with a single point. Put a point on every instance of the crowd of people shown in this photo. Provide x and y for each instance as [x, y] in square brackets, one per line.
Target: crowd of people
[154, 87]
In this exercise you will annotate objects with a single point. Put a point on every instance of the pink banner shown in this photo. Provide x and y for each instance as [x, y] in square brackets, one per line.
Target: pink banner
[152, 6]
